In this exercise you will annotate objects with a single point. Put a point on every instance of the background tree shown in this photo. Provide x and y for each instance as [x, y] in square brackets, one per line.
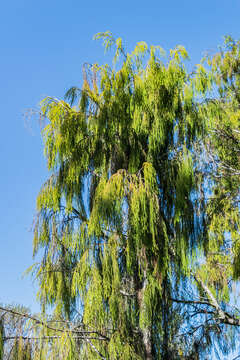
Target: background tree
[217, 275]
[14, 342]
[220, 272]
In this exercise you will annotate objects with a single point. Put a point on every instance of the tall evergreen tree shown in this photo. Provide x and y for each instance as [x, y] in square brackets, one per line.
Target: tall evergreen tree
[117, 217]
[133, 229]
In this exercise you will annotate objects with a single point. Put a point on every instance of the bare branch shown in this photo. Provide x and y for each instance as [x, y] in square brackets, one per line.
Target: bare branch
[38, 321]
[224, 317]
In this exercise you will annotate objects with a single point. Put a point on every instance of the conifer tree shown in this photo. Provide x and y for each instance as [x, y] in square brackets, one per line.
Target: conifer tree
[217, 274]
[117, 217]
[138, 223]
[220, 270]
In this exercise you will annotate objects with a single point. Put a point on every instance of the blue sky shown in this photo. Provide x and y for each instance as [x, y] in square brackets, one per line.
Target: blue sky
[43, 46]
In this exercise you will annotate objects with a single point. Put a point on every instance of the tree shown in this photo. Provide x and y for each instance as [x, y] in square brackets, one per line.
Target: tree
[117, 218]
[112, 244]
[13, 333]
[222, 148]
[123, 216]
[218, 272]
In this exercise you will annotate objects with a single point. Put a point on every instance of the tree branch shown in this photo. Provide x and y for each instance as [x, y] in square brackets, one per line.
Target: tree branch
[38, 321]
[224, 317]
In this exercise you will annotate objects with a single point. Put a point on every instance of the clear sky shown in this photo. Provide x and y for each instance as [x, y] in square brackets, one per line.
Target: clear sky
[43, 46]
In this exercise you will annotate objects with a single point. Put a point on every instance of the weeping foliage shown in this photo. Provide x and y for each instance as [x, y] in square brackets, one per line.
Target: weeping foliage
[117, 216]
[128, 208]
[220, 268]
[223, 142]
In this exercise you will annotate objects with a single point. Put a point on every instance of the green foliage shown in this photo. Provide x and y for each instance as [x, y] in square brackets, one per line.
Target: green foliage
[124, 215]
[119, 199]
[224, 143]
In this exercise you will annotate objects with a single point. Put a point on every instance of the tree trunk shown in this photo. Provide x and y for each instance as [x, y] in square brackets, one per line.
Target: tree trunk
[146, 332]
[147, 342]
